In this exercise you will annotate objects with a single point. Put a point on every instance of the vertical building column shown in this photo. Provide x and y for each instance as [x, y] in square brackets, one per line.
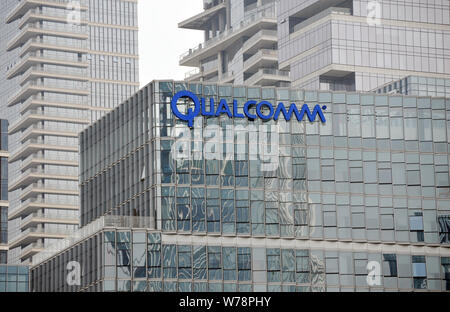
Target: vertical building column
[222, 22]
[228, 14]
[214, 27]
[219, 63]
[207, 32]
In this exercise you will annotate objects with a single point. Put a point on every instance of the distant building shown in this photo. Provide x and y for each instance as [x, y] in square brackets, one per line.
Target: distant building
[360, 44]
[65, 64]
[240, 46]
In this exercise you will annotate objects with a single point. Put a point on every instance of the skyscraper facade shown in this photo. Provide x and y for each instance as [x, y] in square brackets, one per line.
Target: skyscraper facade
[316, 44]
[360, 44]
[3, 191]
[65, 64]
[240, 43]
[356, 201]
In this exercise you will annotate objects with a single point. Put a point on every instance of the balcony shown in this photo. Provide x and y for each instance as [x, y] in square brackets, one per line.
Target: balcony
[35, 72]
[39, 189]
[33, 30]
[33, 205]
[36, 15]
[33, 116]
[35, 145]
[37, 160]
[262, 59]
[38, 130]
[49, 43]
[33, 87]
[267, 76]
[38, 101]
[30, 236]
[192, 75]
[31, 250]
[25, 5]
[248, 27]
[317, 17]
[32, 175]
[197, 74]
[35, 58]
[264, 39]
[199, 21]
[48, 218]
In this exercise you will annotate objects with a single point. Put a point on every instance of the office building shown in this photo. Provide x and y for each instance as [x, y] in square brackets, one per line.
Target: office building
[417, 85]
[3, 191]
[360, 44]
[65, 64]
[357, 202]
[240, 44]
[14, 278]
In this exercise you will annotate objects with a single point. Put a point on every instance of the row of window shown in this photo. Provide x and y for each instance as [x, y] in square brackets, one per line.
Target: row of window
[130, 257]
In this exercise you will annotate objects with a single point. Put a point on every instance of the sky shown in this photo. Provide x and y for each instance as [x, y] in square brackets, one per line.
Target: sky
[161, 42]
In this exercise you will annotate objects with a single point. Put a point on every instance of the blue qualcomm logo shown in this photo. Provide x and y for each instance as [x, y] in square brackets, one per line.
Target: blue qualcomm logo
[224, 108]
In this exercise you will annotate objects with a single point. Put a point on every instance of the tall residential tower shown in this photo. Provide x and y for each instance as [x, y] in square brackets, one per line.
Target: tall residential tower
[240, 43]
[65, 64]
[3, 191]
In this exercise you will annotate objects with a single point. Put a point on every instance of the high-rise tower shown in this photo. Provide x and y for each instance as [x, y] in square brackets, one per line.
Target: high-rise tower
[65, 64]
[240, 43]
[362, 44]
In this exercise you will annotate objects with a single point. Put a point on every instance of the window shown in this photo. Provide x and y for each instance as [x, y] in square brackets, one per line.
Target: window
[445, 262]
[419, 272]
[273, 265]
[199, 263]
[215, 263]
[170, 261]
[139, 255]
[183, 209]
[244, 264]
[3, 178]
[229, 264]
[123, 255]
[444, 229]
[416, 225]
[184, 262]
[3, 226]
[288, 261]
[154, 256]
[213, 211]
[3, 257]
[389, 265]
[303, 267]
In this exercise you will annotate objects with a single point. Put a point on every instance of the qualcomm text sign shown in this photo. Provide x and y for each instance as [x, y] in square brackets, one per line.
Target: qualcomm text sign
[232, 112]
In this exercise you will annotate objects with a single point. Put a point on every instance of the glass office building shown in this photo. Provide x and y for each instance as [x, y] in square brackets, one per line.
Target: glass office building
[3, 191]
[358, 203]
[64, 65]
[417, 85]
[349, 45]
[362, 44]
[14, 278]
